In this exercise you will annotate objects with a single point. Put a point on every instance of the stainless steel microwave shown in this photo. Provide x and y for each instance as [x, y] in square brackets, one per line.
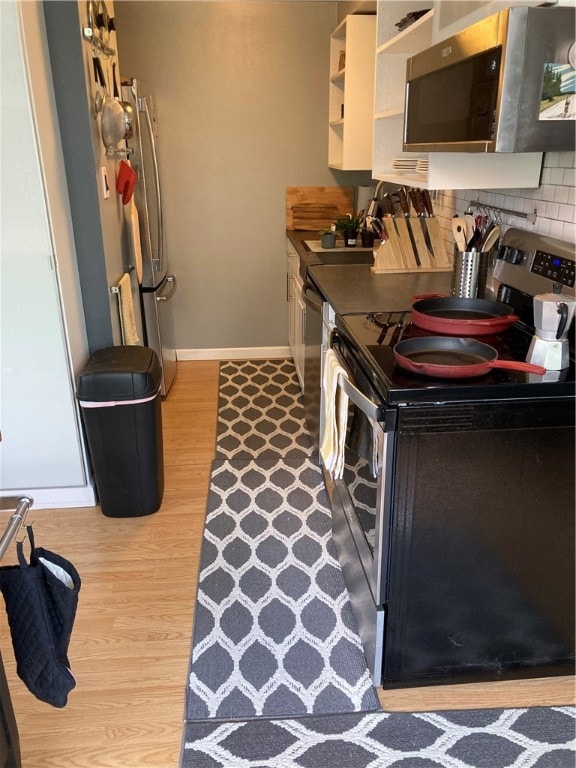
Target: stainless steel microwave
[505, 84]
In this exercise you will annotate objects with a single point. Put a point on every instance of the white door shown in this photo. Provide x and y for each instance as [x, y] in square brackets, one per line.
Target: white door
[41, 445]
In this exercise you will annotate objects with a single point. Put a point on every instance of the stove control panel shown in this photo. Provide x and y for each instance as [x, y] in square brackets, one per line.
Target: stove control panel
[534, 264]
[555, 268]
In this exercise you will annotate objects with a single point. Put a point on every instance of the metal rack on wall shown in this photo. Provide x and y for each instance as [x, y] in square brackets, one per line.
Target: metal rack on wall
[531, 217]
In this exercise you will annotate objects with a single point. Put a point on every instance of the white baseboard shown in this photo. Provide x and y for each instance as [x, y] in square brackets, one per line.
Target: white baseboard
[234, 353]
[56, 498]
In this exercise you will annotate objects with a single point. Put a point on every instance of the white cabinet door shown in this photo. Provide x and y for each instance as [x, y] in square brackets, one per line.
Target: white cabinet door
[352, 50]
[296, 311]
[299, 334]
[41, 445]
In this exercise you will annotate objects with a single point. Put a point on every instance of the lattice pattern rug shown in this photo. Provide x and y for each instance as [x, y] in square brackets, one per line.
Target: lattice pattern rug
[274, 633]
[274, 636]
[260, 412]
[487, 738]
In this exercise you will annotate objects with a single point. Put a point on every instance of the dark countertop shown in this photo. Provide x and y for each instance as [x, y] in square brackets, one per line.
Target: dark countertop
[355, 288]
[310, 258]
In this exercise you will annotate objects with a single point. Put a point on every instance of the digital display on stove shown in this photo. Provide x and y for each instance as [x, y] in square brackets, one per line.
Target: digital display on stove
[554, 268]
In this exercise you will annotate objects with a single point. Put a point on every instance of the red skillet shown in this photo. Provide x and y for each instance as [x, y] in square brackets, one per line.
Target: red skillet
[458, 316]
[452, 357]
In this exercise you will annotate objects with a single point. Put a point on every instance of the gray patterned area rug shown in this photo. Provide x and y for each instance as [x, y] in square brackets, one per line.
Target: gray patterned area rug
[274, 633]
[487, 738]
[277, 678]
[260, 411]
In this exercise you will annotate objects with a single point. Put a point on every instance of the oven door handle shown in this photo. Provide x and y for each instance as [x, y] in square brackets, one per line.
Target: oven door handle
[370, 409]
[367, 407]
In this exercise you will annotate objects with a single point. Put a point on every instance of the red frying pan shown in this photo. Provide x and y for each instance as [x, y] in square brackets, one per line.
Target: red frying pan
[452, 357]
[461, 316]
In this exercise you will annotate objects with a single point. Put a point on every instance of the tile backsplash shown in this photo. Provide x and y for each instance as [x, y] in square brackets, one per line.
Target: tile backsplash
[552, 206]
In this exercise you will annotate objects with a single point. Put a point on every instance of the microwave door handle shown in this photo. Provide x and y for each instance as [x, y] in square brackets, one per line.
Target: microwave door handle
[146, 110]
[367, 407]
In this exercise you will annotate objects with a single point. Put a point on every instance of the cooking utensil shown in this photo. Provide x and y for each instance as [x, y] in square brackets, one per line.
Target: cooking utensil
[103, 22]
[100, 84]
[438, 245]
[458, 316]
[113, 125]
[454, 358]
[470, 227]
[113, 121]
[397, 258]
[420, 208]
[126, 106]
[409, 249]
[490, 237]
[459, 231]
[420, 231]
[91, 11]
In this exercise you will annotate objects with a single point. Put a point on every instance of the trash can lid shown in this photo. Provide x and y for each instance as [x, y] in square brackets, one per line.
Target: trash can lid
[120, 373]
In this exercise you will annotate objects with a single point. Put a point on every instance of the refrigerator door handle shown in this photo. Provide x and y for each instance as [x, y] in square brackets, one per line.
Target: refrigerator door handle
[171, 283]
[143, 104]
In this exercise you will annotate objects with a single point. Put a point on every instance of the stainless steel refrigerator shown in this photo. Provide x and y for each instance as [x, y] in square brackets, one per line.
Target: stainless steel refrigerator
[157, 286]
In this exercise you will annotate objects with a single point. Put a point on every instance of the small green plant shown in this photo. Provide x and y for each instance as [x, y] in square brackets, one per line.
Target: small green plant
[325, 232]
[348, 223]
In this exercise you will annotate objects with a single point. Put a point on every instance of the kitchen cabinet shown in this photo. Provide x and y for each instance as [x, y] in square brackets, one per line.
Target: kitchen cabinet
[352, 48]
[451, 17]
[437, 170]
[296, 310]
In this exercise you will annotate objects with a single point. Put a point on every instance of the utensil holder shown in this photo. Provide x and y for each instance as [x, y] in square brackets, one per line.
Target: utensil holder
[470, 274]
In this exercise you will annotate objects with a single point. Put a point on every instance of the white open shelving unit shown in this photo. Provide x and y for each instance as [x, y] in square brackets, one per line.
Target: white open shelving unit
[351, 93]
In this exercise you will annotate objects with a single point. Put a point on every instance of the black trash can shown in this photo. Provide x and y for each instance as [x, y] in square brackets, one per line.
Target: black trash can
[119, 396]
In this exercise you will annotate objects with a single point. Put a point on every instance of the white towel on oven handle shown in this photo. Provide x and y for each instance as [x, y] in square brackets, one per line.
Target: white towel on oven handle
[127, 316]
[377, 439]
[335, 416]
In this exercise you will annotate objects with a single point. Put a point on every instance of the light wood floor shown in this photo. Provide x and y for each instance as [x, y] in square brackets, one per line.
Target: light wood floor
[131, 639]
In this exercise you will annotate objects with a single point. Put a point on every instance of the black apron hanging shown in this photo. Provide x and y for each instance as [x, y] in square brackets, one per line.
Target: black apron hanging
[41, 599]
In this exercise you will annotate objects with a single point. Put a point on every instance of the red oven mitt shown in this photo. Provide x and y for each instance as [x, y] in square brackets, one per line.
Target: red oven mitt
[126, 181]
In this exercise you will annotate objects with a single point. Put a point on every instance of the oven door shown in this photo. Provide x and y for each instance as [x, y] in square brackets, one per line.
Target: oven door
[361, 503]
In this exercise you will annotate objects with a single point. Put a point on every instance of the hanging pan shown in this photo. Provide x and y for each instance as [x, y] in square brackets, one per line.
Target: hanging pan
[116, 119]
[459, 316]
[452, 357]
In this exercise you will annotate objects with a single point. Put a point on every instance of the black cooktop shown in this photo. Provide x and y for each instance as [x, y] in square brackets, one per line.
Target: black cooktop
[372, 338]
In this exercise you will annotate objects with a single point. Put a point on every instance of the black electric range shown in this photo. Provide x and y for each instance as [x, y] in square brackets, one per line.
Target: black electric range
[454, 515]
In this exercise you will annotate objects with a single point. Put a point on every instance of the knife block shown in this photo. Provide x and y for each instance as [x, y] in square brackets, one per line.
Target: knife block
[397, 254]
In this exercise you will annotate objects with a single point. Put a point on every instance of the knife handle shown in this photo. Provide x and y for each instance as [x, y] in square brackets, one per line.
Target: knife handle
[427, 202]
[417, 202]
[388, 204]
[403, 200]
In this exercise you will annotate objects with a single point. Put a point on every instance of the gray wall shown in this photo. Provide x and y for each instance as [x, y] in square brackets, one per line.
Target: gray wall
[241, 91]
[99, 224]
[66, 59]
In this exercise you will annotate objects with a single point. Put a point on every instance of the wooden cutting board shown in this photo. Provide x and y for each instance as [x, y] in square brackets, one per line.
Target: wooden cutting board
[313, 208]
